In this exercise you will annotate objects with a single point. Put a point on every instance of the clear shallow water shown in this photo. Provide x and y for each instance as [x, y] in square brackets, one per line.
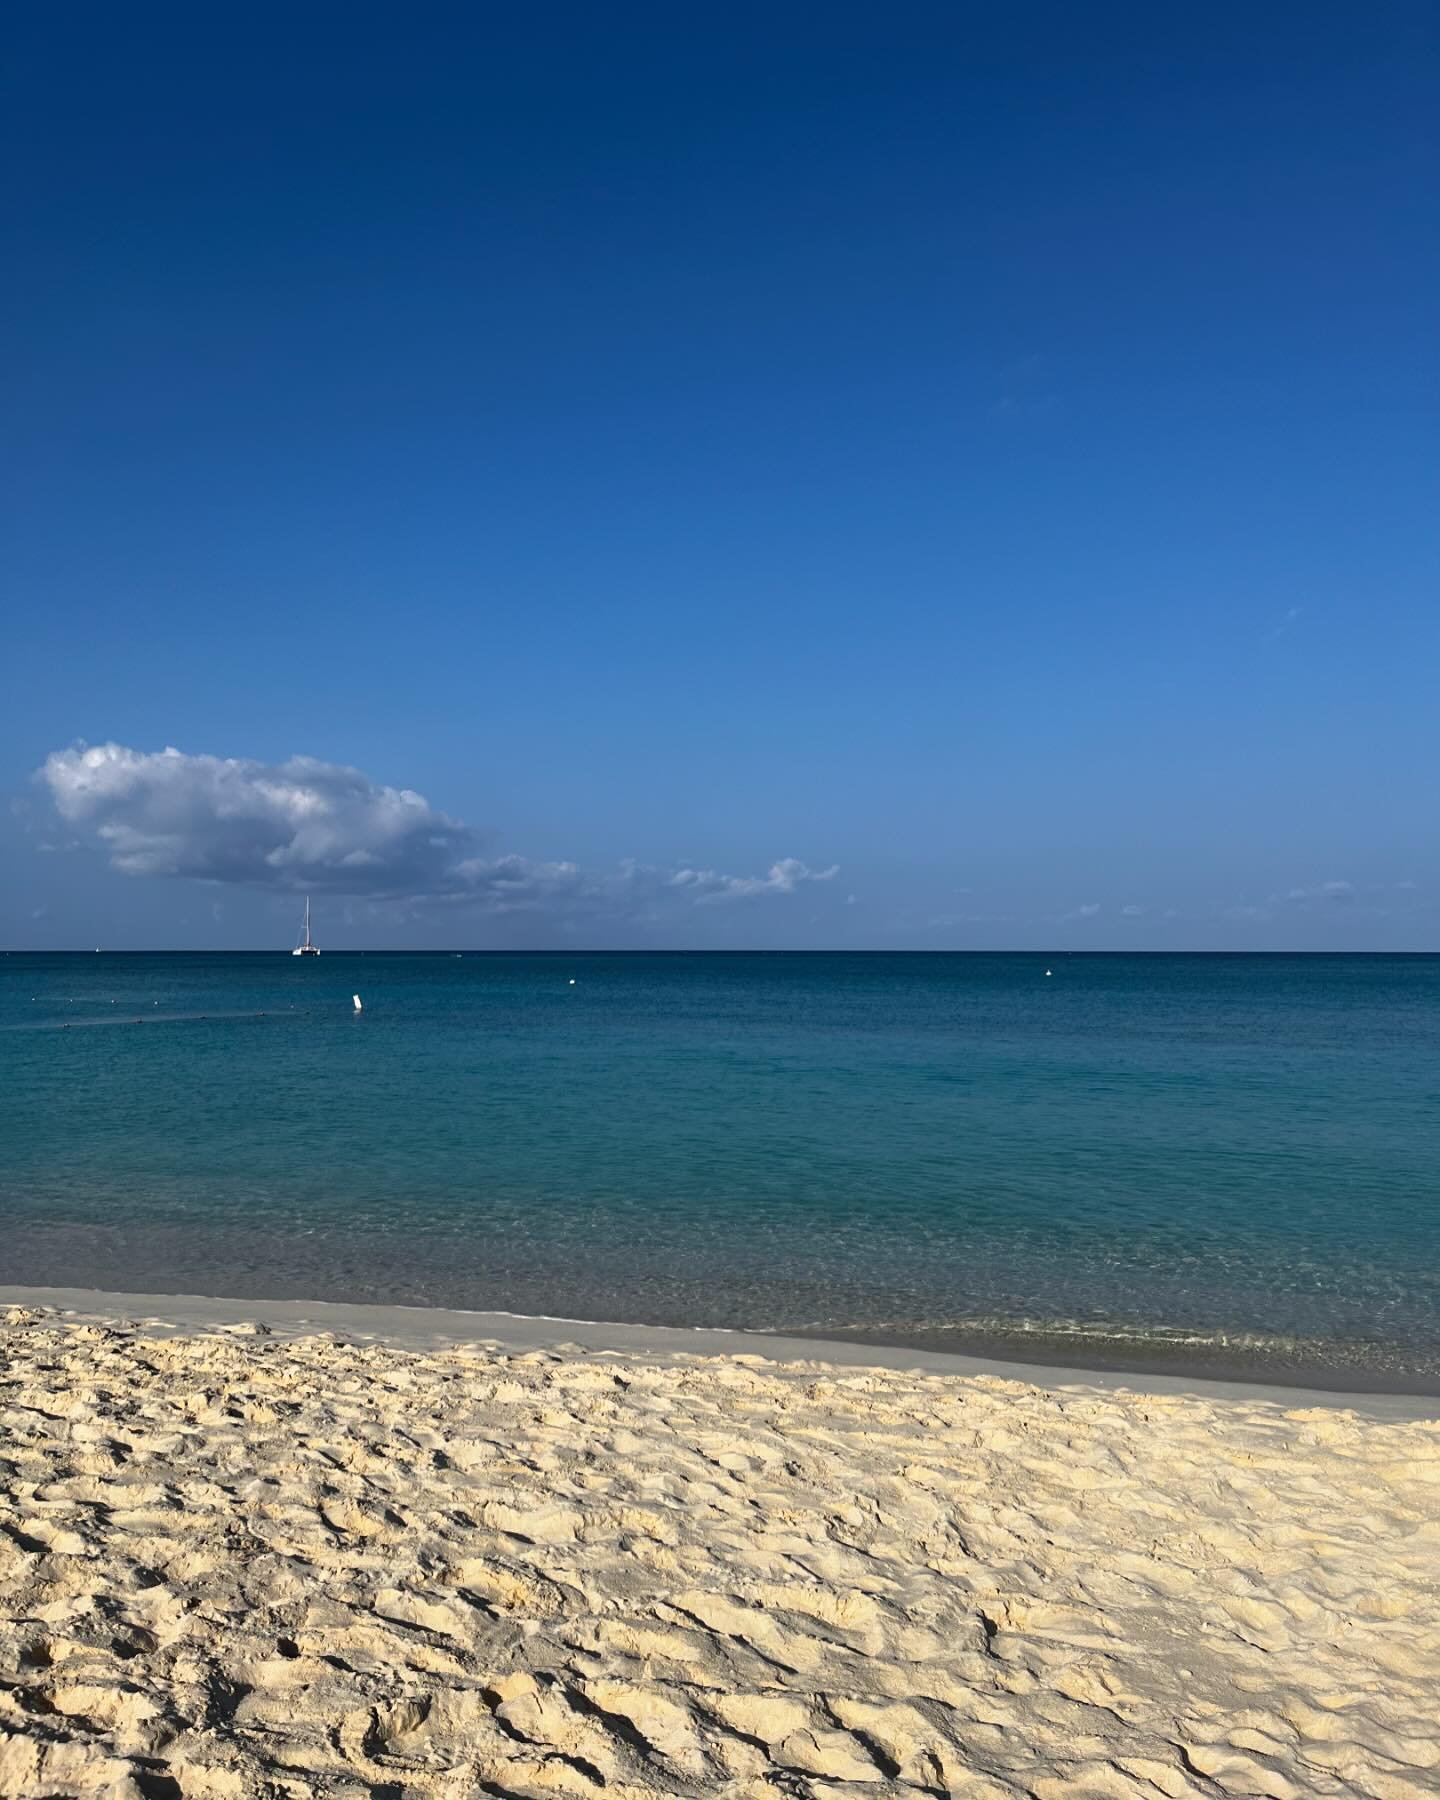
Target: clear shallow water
[1221, 1164]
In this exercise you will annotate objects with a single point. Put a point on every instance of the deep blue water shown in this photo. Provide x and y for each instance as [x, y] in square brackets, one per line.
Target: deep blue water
[1215, 1162]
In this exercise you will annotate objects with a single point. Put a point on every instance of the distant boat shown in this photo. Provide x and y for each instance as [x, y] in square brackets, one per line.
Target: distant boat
[305, 947]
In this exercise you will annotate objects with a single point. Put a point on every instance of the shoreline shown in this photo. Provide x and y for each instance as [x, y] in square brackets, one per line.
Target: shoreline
[429, 1328]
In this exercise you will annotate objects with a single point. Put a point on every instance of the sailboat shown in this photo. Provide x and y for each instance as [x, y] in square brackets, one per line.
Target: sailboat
[305, 947]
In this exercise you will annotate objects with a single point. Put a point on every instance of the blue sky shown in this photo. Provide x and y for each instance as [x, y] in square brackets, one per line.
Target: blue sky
[981, 458]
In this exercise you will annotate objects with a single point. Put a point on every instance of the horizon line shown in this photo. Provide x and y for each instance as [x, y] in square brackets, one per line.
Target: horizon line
[711, 950]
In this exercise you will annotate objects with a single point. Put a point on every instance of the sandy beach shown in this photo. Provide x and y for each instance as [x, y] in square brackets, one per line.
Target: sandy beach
[246, 1558]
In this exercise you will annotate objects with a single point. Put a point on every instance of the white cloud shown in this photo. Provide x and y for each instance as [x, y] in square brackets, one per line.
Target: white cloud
[1325, 890]
[292, 825]
[1088, 911]
[1133, 912]
[311, 826]
[517, 884]
[783, 878]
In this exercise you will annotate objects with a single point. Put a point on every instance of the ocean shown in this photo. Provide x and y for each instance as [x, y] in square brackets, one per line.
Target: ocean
[1212, 1164]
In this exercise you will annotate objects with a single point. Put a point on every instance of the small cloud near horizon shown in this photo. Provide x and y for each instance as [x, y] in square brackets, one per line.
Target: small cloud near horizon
[1338, 891]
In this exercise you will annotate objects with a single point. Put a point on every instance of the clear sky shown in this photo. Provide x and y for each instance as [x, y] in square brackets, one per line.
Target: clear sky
[903, 476]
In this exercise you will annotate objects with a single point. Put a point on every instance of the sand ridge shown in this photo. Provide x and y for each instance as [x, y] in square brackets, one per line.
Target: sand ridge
[234, 1563]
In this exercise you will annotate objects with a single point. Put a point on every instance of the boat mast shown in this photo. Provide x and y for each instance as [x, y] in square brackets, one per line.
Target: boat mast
[307, 921]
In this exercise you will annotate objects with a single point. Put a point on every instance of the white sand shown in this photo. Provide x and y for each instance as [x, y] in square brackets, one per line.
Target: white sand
[262, 1564]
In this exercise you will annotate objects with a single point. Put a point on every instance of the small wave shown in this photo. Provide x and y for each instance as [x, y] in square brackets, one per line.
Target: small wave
[1239, 1354]
[120, 1017]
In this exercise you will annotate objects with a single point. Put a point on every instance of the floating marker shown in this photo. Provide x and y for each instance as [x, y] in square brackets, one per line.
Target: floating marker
[358, 1006]
[572, 981]
[1047, 971]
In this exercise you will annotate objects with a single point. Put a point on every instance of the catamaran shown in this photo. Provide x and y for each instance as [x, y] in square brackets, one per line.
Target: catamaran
[305, 947]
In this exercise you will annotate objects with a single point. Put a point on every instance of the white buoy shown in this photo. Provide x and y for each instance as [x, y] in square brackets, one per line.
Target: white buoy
[1047, 971]
[358, 1006]
[572, 981]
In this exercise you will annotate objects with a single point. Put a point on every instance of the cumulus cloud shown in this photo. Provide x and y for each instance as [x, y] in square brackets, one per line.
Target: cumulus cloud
[311, 826]
[296, 824]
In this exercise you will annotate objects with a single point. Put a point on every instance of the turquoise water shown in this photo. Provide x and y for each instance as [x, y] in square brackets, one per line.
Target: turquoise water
[1215, 1163]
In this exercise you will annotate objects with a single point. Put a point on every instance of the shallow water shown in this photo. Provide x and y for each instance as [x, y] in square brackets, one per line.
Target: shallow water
[1225, 1164]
